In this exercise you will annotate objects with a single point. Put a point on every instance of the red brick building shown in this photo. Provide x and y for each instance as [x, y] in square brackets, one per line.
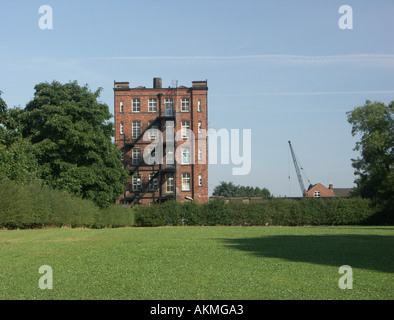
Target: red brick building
[161, 133]
[320, 191]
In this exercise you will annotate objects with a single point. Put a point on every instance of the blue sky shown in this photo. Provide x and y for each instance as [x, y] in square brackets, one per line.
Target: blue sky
[283, 69]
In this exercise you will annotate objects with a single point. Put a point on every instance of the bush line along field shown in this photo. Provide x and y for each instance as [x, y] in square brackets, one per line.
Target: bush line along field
[32, 205]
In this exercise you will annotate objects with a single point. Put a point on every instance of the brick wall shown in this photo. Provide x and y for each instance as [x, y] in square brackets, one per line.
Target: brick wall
[324, 192]
[197, 95]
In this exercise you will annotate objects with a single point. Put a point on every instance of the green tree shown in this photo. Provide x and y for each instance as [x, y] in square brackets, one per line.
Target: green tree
[71, 135]
[17, 162]
[228, 189]
[225, 189]
[374, 168]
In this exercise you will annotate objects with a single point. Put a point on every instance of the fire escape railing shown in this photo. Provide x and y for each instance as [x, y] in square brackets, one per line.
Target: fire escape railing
[157, 173]
[140, 193]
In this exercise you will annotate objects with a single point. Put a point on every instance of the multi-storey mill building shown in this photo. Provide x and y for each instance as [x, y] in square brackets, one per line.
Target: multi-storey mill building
[161, 133]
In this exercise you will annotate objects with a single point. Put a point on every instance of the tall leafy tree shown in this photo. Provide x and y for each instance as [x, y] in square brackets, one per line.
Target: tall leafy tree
[228, 189]
[4, 121]
[71, 135]
[17, 162]
[374, 168]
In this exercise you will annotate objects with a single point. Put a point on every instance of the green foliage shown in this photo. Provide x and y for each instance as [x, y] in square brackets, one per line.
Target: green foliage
[285, 212]
[17, 161]
[71, 135]
[22, 206]
[228, 189]
[33, 205]
[174, 212]
[150, 216]
[114, 216]
[192, 214]
[214, 212]
[374, 169]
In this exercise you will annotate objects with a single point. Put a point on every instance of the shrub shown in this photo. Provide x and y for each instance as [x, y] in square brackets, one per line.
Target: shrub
[214, 212]
[286, 212]
[22, 205]
[193, 214]
[114, 216]
[173, 213]
[149, 216]
[32, 205]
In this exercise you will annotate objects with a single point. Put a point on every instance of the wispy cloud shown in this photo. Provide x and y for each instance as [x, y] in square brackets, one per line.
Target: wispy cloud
[386, 60]
[360, 60]
[311, 93]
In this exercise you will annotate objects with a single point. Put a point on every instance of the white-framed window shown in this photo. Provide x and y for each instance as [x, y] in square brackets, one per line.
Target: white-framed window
[152, 105]
[121, 128]
[136, 105]
[136, 183]
[199, 155]
[185, 105]
[185, 127]
[185, 155]
[154, 184]
[135, 129]
[136, 156]
[170, 187]
[168, 102]
[199, 106]
[168, 106]
[316, 194]
[152, 132]
[199, 126]
[200, 180]
[186, 182]
[121, 106]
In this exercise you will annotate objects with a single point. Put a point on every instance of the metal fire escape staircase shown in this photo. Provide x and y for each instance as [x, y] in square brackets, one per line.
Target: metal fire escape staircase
[156, 173]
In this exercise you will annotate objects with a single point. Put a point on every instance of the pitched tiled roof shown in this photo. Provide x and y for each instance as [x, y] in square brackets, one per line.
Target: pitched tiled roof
[342, 192]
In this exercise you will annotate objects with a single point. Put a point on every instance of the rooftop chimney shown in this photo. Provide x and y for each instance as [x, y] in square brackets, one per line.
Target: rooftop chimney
[331, 186]
[121, 85]
[156, 83]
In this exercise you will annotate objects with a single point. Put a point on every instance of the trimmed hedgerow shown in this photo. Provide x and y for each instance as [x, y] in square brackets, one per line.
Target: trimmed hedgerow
[33, 205]
[287, 212]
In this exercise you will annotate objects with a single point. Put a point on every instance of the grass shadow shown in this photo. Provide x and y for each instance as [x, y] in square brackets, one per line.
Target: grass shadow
[358, 251]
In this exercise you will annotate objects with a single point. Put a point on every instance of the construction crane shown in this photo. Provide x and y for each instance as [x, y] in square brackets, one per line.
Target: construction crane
[298, 169]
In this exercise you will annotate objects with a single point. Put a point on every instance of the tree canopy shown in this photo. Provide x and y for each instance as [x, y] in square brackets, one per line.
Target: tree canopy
[70, 134]
[228, 189]
[17, 162]
[374, 168]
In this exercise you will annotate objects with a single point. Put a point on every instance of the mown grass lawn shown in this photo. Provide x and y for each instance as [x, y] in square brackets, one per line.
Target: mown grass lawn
[211, 263]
